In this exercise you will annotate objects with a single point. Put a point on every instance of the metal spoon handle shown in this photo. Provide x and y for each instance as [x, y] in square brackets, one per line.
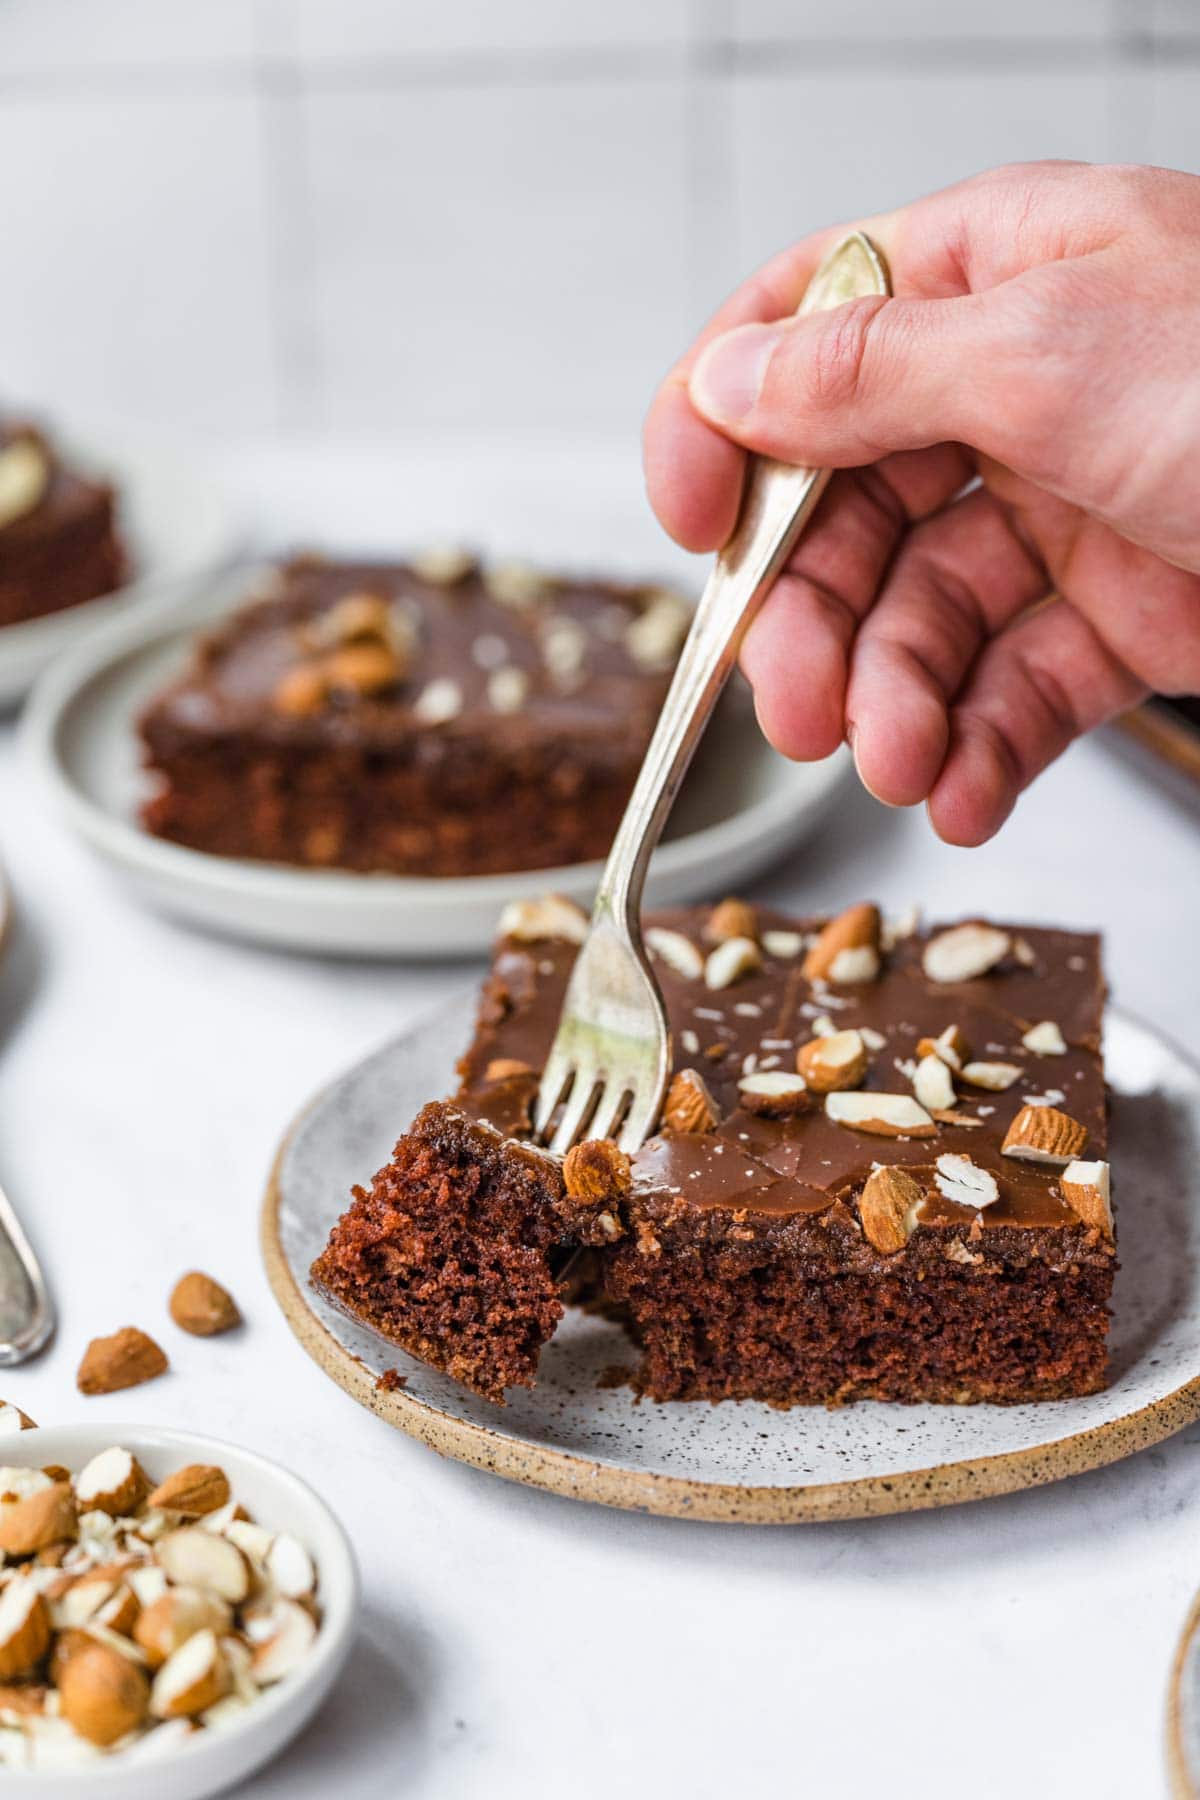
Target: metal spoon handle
[26, 1312]
[779, 501]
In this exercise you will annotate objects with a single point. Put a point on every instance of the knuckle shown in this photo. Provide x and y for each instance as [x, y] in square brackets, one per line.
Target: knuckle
[837, 368]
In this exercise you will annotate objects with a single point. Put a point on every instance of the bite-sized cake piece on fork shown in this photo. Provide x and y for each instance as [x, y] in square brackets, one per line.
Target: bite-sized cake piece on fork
[880, 1171]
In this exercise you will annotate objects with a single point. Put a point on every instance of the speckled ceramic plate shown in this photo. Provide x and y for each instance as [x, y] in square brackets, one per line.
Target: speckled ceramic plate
[1183, 1711]
[746, 1462]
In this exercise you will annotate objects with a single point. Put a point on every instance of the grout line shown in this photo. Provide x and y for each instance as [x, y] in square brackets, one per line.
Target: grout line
[291, 260]
[709, 164]
[711, 48]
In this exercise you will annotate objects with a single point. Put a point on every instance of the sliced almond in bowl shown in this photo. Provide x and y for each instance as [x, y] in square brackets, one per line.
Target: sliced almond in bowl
[193, 1678]
[44, 1517]
[290, 1567]
[24, 1628]
[113, 1482]
[291, 1637]
[177, 1615]
[194, 1557]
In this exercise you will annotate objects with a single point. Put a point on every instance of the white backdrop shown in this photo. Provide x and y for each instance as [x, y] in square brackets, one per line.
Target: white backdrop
[249, 216]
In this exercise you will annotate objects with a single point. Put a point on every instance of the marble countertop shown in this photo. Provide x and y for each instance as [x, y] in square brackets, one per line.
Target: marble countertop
[517, 1644]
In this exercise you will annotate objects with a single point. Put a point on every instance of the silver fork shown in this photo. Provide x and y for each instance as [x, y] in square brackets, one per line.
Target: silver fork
[611, 1058]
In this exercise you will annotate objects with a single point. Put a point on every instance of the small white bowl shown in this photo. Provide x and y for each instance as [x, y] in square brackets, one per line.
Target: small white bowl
[278, 1500]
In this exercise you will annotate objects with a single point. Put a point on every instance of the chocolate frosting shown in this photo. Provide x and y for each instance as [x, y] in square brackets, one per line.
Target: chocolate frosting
[461, 633]
[806, 1164]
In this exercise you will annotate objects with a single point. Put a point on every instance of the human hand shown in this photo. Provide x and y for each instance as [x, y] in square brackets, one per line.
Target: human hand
[1045, 338]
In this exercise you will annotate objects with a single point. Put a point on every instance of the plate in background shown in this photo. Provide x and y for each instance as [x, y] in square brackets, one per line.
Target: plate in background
[178, 524]
[743, 808]
[1183, 1711]
[745, 1462]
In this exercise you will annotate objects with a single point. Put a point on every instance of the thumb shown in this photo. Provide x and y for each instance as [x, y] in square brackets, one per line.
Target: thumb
[842, 388]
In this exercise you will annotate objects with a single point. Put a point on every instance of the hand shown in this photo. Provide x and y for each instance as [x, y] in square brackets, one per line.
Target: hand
[1045, 338]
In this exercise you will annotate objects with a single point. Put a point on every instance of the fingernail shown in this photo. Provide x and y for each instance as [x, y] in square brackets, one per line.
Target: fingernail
[729, 376]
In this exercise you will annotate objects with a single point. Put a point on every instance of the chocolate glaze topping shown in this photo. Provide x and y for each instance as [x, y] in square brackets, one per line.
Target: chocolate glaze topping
[569, 647]
[806, 1165]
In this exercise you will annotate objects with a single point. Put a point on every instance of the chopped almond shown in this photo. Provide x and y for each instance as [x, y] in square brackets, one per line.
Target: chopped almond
[888, 1207]
[857, 928]
[836, 1061]
[1043, 1134]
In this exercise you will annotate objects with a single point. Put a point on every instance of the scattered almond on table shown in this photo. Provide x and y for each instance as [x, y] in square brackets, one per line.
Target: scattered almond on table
[202, 1306]
[135, 1614]
[124, 1360]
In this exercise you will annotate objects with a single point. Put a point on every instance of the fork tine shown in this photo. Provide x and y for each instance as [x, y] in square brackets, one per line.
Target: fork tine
[639, 1122]
[556, 1077]
[570, 1126]
[609, 1110]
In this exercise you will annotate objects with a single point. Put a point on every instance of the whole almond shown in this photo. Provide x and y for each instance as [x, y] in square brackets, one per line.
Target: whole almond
[194, 1490]
[103, 1694]
[124, 1360]
[887, 1208]
[855, 929]
[596, 1170]
[689, 1104]
[202, 1306]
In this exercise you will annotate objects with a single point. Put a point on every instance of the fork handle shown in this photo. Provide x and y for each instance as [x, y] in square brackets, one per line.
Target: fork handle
[779, 501]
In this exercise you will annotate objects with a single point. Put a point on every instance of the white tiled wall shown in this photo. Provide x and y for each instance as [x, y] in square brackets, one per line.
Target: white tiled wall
[264, 215]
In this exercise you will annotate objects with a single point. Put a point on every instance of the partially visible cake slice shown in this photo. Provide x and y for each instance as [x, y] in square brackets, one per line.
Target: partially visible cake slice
[59, 541]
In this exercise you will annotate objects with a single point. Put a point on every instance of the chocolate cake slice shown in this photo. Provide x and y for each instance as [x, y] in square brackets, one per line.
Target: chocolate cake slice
[880, 1174]
[429, 718]
[59, 540]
